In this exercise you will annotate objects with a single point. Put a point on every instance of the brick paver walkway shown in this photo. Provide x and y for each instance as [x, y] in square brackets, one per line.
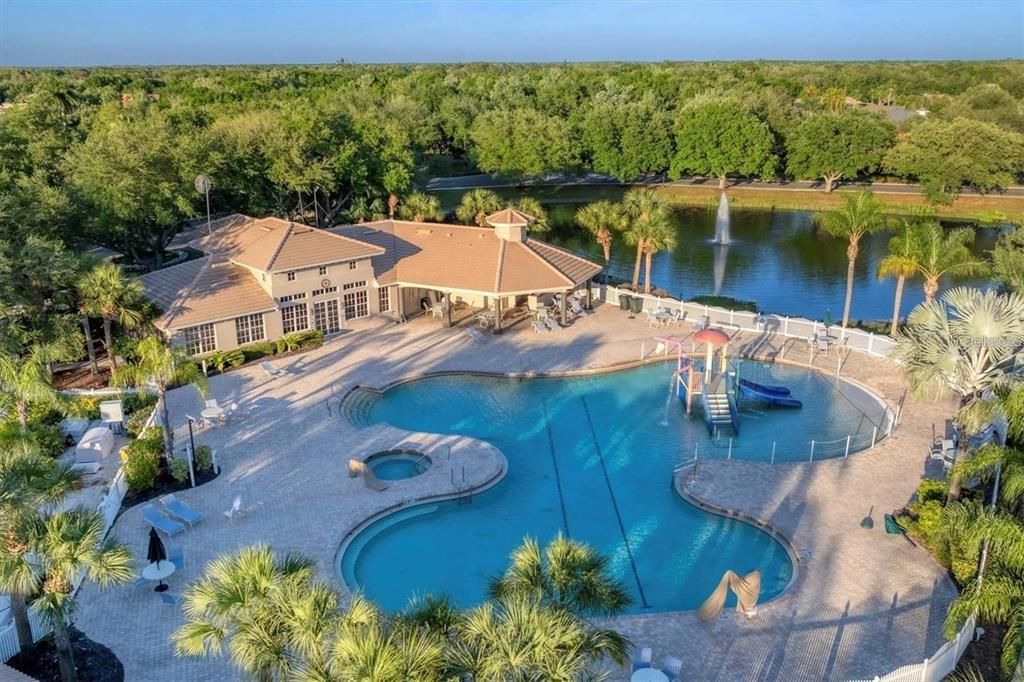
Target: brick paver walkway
[863, 603]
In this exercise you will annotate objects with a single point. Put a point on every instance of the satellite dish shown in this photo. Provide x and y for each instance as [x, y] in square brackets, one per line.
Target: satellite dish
[203, 183]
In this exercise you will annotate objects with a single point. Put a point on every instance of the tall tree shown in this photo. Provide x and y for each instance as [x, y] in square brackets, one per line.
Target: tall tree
[626, 136]
[476, 204]
[646, 212]
[420, 207]
[836, 146]
[860, 214]
[660, 237]
[68, 546]
[24, 381]
[946, 155]
[602, 219]
[166, 367]
[535, 210]
[900, 263]
[1008, 260]
[106, 292]
[522, 141]
[720, 138]
[940, 253]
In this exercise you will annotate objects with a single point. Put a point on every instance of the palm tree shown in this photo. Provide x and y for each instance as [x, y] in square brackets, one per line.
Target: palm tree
[532, 208]
[476, 204]
[164, 366]
[24, 380]
[834, 99]
[521, 640]
[983, 466]
[66, 547]
[602, 219]
[420, 207]
[661, 237]
[267, 611]
[29, 483]
[860, 214]
[899, 263]
[646, 212]
[939, 253]
[569, 575]
[107, 293]
[363, 209]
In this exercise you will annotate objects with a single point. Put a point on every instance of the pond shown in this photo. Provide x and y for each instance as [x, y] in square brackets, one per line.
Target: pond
[777, 259]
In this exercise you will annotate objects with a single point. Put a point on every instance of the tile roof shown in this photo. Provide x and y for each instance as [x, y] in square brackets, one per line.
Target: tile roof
[509, 216]
[274, 245]
[436, 255]
[205, 290]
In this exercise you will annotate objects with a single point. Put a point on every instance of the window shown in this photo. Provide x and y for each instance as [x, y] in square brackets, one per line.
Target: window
[321, 292]
[291, 276]
[292, 297]
[355, 285]
[356, 304]
[352, 265]
[249, 328]
[293, 318]
[323, 269]
[326, 317]
[200, 339]
[384, 299]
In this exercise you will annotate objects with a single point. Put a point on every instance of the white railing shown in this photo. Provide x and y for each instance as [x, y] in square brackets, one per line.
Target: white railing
[938, 665]
[109, 507]
[878, 345]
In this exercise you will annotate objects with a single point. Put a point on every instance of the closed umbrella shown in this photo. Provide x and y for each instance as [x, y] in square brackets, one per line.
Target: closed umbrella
[828, 318]
[156, 552]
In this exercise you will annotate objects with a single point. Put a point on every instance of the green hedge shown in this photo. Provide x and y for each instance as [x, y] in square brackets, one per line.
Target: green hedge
[140, 459]
[300, 341]
[726, 302]
[255, 351]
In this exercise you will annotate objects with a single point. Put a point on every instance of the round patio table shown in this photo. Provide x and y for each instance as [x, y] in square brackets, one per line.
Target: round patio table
[158, 572]
[649, 675]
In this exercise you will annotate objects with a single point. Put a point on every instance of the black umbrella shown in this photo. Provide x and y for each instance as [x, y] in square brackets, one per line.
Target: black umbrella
[156, 552]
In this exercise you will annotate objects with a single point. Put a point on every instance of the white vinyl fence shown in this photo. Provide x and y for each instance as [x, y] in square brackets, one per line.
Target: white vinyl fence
[792, 327]
[109, 507]
[936, 667]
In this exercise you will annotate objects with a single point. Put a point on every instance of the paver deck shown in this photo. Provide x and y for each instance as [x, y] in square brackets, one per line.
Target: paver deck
[863, 603]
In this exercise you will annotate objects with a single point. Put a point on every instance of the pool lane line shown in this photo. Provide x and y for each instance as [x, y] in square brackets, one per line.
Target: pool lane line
[615, 504]
[554, 461]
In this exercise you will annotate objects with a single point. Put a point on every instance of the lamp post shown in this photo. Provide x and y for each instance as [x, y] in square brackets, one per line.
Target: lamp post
[191, 449]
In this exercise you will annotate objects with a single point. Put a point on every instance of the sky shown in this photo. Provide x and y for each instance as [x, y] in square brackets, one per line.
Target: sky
[90, 32]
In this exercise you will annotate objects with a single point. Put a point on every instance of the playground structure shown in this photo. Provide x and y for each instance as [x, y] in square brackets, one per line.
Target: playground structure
[712, 379]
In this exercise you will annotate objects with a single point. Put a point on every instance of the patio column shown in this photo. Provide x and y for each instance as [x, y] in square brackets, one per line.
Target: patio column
[497, 315]
[400, 303]
[590, 295]
[565, 296]
[447, 309]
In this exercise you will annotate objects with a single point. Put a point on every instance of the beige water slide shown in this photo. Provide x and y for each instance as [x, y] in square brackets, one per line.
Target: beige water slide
[747, 590]
[357, 468]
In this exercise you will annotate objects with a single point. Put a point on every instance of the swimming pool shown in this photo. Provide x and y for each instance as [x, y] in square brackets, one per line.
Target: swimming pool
[398, 465]
[592, 457]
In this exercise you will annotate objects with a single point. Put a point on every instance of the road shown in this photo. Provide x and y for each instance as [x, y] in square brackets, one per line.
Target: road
[465, 182]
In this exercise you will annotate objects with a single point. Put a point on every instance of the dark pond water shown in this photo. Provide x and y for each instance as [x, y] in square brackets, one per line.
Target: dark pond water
[778, 259]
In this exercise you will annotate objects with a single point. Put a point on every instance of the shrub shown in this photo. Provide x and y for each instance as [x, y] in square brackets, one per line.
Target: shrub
[300, 341]
[255, 351]
[49, 438]
[221, 360]
[136, 421]
[139, 401]
[923, 520]
[43, 414]
[140, 460]
[85, 406]
[203, 457]
[726, 302]
[931, 490]
[179, 469]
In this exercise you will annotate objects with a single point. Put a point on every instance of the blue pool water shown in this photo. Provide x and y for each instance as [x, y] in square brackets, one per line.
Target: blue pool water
[592, 457]
[396, 465]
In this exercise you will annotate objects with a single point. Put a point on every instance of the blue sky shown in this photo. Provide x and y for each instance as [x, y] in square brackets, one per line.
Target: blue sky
[85, 32]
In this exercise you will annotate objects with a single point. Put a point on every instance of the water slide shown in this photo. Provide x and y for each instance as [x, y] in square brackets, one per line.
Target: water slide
[774, 395]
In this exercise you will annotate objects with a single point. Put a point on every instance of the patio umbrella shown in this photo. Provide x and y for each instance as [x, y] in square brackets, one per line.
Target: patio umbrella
[156, 552]
[828, 318]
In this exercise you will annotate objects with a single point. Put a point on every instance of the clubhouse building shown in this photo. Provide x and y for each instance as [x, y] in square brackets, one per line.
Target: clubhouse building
[262, 278]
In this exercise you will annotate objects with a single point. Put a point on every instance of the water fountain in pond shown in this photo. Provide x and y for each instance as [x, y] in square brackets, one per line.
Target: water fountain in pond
[722, 221]
[720, 258]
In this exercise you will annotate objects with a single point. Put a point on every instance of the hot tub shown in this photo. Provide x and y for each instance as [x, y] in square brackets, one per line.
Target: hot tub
[396, 465]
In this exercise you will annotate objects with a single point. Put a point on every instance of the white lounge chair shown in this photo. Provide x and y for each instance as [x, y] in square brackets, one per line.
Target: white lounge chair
[236, 508]
[540, 327]
[671, 667]
[274, 372]
[163, 524]
[180, 510]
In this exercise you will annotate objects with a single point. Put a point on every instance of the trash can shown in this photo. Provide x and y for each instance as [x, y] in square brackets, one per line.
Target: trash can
[636, 304]
[624, 301]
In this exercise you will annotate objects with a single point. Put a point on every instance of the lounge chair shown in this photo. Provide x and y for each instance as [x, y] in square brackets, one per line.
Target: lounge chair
[552, 324]
[176, 555]
[671, 667]
[475, 335]
[236, 508]
[577, 309]
[642, 659]
[180, 510]
[136, 585]
[274, 372]
[163, 524]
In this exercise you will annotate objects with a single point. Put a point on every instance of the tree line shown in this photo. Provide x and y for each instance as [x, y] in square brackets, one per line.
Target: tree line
[109, 156]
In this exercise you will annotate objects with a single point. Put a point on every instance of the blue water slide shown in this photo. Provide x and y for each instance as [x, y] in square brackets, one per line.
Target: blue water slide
[764, 388]
[769, 394]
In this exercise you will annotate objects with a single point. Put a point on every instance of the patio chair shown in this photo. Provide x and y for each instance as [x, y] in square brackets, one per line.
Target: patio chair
[822, 344]
[576, 308]
[475, 335]
[182, 511]
[170, 599]
[652, 319]
[163, 524]
[671, 666]
[236, 508]
[642, 659]
[136, 584]
[274, 372]
[703, 322]
[552, 324]
[678, 317]
[176, 555]
[212, 402]
[540, 327]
